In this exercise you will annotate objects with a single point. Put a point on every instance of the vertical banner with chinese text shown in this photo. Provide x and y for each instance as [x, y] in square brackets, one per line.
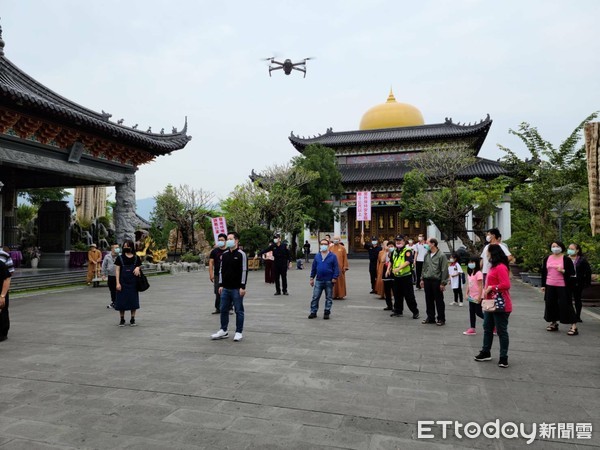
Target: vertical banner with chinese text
[219, 225]
[363, 206]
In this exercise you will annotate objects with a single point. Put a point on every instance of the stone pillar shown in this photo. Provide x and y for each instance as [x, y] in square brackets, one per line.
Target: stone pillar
[469, 225]
[124, 214]
[504, 218]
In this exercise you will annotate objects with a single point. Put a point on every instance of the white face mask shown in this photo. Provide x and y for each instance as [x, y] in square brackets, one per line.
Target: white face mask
[410, 242]
[556, 250]
[471, 265]
[451, 260]
[374, 243]
[488, 238]
[336, 241]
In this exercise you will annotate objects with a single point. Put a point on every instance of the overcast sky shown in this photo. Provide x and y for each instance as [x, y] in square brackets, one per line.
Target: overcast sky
[154, 62]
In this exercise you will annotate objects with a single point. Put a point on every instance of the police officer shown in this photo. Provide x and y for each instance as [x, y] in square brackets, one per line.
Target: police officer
[402, 260]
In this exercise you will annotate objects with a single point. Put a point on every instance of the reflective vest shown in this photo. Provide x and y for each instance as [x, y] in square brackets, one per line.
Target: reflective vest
[397, 260]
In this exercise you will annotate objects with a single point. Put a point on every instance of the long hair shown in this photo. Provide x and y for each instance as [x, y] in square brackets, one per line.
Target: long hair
[497, 255]
[477, 261]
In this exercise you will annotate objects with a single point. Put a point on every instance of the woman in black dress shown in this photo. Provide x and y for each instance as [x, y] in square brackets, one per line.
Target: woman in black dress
[127, 268]
[581, 279]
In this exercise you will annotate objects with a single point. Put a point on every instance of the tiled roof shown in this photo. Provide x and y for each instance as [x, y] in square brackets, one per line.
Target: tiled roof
[394, 172]
[21, 92]
[446, 130]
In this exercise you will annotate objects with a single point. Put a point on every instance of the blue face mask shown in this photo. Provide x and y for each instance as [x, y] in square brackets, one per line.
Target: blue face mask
[427, 247]
[374, 243]
[230, 243]
[117, 251]
[220, 244]
[471, 265]
[275, 241]
[324, 248]
[571, 252]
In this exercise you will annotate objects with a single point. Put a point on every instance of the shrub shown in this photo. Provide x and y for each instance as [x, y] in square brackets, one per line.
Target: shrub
[190, 258]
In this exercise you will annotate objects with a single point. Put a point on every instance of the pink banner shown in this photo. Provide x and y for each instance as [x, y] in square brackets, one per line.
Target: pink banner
[363, 205]
[219, 225]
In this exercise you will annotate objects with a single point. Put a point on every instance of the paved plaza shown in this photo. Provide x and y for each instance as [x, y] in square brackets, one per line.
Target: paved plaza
[70, 378]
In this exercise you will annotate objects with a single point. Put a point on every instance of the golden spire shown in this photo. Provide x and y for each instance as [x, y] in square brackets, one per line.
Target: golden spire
[391, 97]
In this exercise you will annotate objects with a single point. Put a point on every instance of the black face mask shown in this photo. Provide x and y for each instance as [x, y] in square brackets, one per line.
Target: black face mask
[128, 250]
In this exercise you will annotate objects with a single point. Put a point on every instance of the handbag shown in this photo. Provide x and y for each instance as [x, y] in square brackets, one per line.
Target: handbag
[142, 282]
[496, 304]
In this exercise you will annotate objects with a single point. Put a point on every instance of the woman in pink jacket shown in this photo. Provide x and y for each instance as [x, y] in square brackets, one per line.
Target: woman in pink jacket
[497, 281]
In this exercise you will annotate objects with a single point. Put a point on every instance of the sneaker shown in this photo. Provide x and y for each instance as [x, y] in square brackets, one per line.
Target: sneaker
[440, 323]
[285, 293]
[216, 311]
[427, 321]
[460, 304]
[326, 315]
[416, 316]
[503, 362]
[111, 306]
[277, 293]
[122, 323]
[238, 337]
[387, 308]
[219, 335]
[483, 356]
[312, 315]
[396, 314]
[470, 332]
[132, 322]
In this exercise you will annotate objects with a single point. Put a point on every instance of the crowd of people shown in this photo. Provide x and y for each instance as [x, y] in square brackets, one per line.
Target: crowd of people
[396, 268]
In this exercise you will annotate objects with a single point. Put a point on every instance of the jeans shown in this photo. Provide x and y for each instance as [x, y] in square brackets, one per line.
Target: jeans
[229, 296]
[500, 321]
[321, 286]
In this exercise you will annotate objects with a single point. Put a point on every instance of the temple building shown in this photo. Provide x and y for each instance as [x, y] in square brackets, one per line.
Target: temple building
[376, 157]
[48, 141]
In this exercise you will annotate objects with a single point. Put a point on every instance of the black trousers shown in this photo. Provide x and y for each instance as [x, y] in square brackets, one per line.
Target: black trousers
[4, 319]
[280, 271]
[403, 290]
[373, 274]
[419, 267]
[434, 299]
[388, 287]
[111, 281]
[217, 295]
[576, 289]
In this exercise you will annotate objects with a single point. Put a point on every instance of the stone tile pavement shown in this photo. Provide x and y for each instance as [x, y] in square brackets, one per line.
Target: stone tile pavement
[70, 378]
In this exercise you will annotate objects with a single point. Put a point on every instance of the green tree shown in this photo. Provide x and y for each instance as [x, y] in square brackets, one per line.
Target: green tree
[254, 238]
[320, 160]
[186, 208]
[245, 206]
[38, 196]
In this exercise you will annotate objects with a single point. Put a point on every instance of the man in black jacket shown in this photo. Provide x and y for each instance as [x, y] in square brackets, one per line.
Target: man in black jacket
[233, 275]
[282, 259]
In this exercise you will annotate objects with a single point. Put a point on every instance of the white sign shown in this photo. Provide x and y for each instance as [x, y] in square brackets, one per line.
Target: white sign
[363, 205]
[219, 226]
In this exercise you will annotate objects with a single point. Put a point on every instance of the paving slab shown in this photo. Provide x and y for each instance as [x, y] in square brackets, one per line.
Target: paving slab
[71, 378]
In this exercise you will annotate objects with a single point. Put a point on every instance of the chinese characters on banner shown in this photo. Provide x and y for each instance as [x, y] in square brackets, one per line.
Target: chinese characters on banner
[219, 226]
[363, 205]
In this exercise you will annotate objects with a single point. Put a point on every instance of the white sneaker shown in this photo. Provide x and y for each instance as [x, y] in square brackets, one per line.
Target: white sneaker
[220, 335]
[238, 337]
[460, 304]
[453, 304]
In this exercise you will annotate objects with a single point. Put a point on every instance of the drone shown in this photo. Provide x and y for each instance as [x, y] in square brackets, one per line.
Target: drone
[287, 65]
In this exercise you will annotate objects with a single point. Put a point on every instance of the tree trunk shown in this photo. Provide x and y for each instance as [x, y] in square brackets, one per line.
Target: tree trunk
[592, 130]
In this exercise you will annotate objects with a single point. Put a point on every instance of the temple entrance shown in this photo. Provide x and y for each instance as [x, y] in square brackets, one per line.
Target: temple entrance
[385, 223]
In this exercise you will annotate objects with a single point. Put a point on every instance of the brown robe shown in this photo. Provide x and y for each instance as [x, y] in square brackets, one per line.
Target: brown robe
[380, 267]
[339, 288]
[94, 263]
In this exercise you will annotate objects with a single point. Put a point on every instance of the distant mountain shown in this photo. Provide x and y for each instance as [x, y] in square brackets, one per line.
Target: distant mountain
[145, 206]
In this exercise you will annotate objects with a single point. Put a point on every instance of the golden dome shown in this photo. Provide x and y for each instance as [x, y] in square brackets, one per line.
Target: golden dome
[391, 114]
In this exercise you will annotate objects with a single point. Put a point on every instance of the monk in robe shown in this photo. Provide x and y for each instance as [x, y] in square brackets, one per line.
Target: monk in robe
[380, 268]
[338, 249]
[94, 263]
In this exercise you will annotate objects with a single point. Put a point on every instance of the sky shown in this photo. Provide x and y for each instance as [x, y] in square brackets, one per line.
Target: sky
[154, 62]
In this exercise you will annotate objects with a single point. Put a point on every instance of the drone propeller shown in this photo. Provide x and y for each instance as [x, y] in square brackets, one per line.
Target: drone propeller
[267, 59]
[310, 57]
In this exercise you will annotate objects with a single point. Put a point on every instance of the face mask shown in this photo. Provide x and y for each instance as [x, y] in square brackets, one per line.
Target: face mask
[128, 250]
[220, 244]
[427, 247]
[471, 265]
[374, 243]
[410, 242]
[556, 250]
[488, 238]
[399, 245]
[275, 241]
[324, 247]
[420, 238]
[230, 243]
[336, 241]
[571, 252]
[451, 260]
[390, 249]
[117, 251]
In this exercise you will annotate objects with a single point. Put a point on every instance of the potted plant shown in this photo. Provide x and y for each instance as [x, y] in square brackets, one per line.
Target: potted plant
[33, 255]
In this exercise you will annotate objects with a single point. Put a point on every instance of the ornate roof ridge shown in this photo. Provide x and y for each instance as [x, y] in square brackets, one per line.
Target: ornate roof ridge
[448, 123]
[22, 88]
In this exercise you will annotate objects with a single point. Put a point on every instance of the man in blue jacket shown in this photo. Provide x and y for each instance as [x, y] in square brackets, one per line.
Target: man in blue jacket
[323, 275]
